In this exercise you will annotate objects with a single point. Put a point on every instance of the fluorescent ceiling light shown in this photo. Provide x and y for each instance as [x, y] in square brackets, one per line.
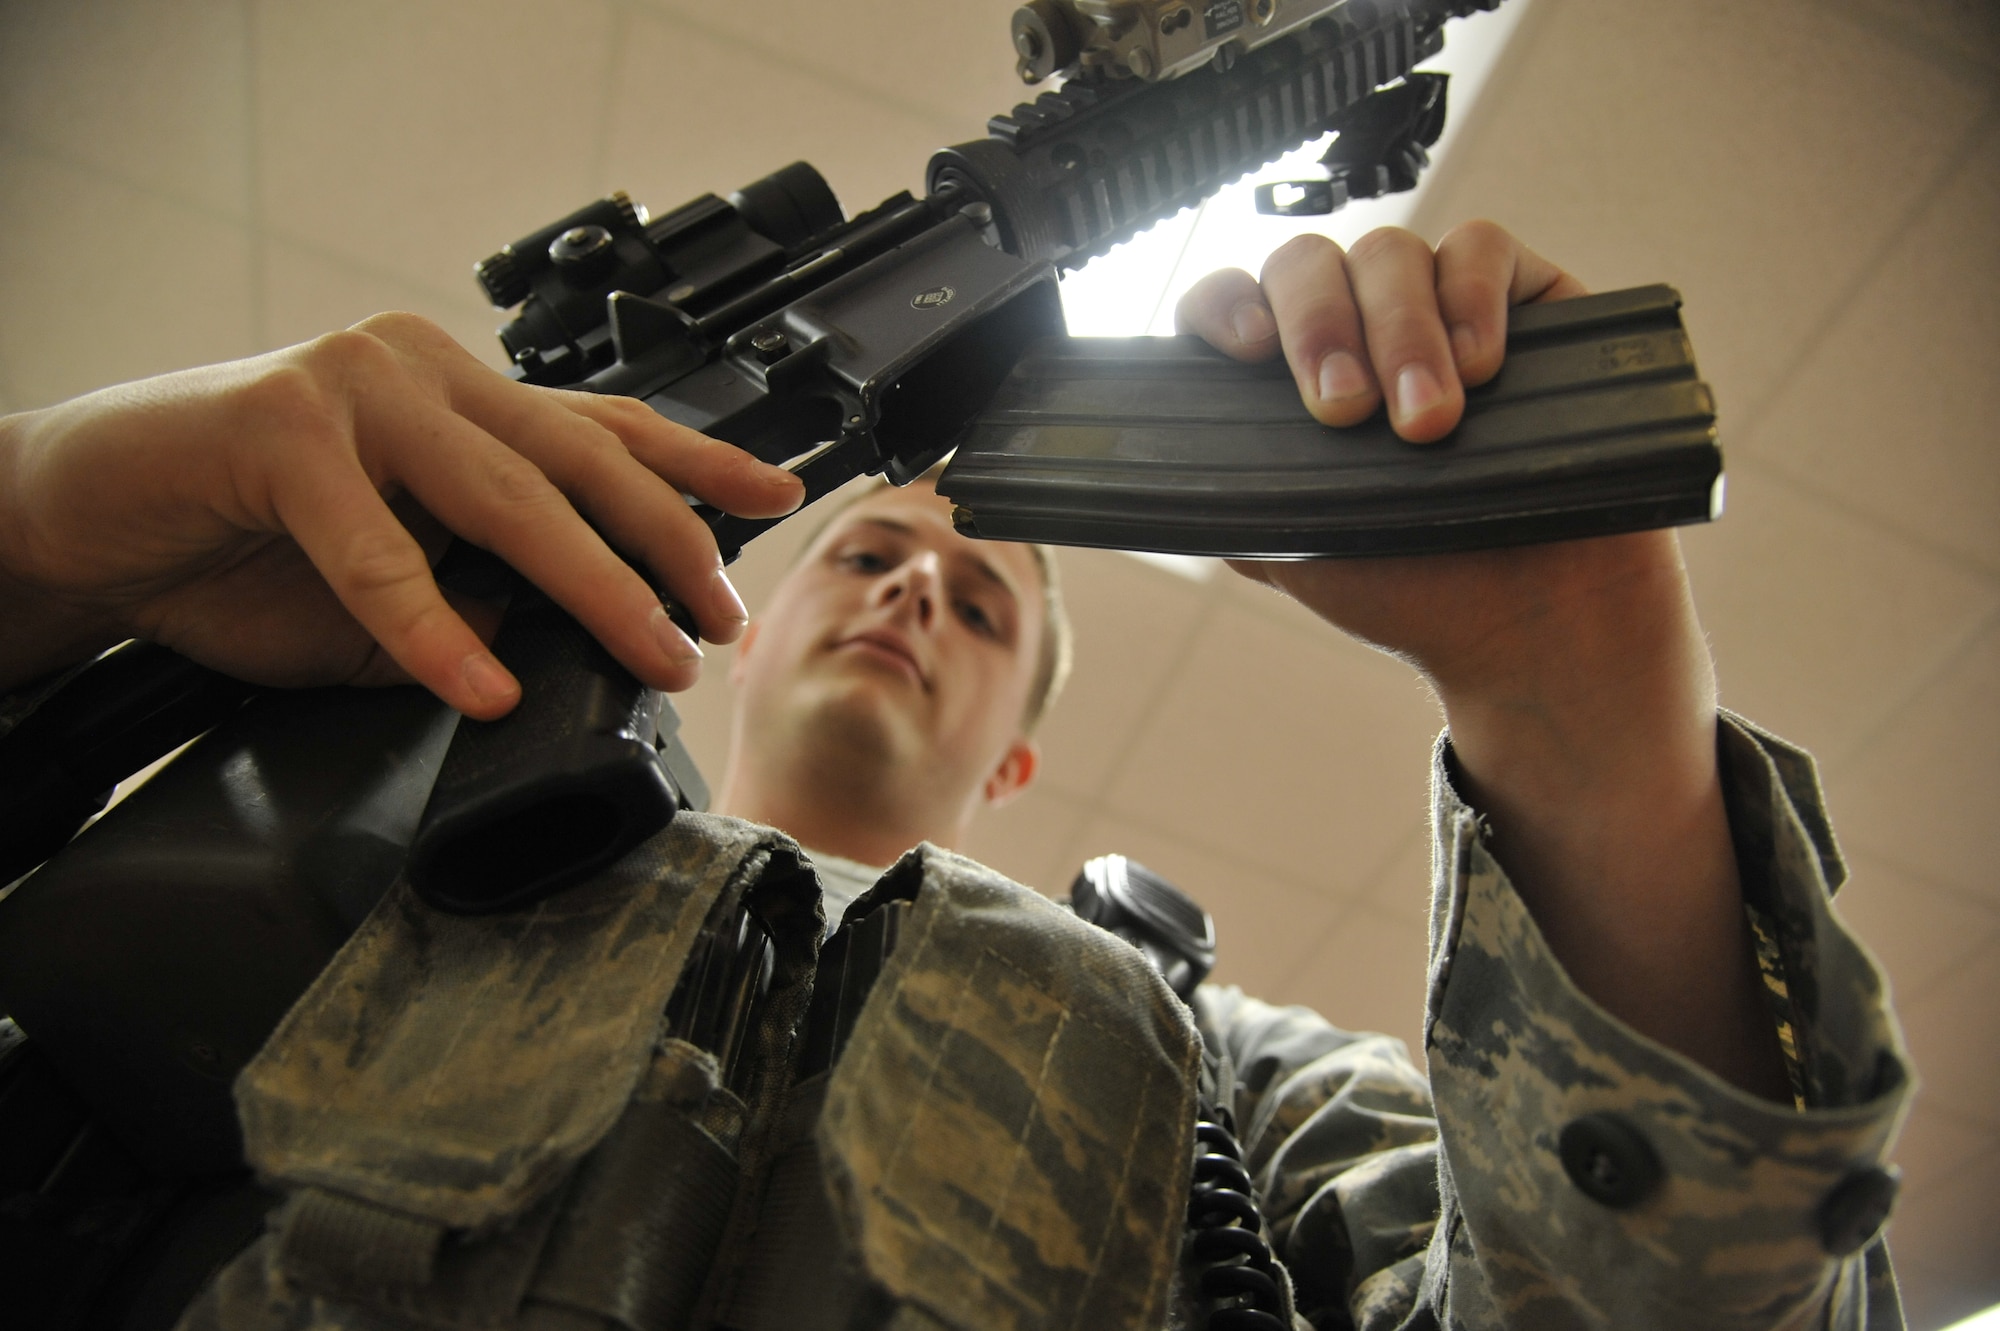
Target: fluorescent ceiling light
[1132, 290]
[1986, 1321]
[1195, 568]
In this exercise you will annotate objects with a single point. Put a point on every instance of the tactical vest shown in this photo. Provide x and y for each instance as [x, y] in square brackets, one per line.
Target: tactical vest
[530, 1119]
[475, 1122]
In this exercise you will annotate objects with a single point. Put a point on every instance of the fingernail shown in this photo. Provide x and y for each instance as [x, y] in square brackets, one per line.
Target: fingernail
[1417, 391]
[1340, 375]
[487, 678]
[1464, 342]
[780, 479]
[731, 603]
[680, 648]
[1253, 323]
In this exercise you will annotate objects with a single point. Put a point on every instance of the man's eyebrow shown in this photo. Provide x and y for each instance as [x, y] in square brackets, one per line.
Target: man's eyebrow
[891, 523]
[978, 562]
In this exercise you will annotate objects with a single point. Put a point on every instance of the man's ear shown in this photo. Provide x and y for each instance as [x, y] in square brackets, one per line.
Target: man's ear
[1015, 773]
[742, 653]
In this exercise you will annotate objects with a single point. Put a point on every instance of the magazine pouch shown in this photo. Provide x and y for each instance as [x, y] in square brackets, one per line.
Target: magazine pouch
[481, 1122]
[1003, 1143]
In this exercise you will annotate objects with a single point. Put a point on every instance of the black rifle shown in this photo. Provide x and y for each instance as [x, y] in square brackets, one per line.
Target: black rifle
[841, 347]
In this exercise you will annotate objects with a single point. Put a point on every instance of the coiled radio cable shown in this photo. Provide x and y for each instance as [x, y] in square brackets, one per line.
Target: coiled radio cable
[1234, 1272]
[1229, 1261]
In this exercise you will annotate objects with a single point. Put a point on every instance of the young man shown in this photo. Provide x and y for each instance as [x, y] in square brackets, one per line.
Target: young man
[1604, 1051]
[886, 692]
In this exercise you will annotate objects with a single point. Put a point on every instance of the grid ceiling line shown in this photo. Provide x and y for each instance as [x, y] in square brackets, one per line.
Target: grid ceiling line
[256, 247]
[1922, 682]
[1800, 481]
[947, 123]
[197, 208]
[616, 43]
[1836, 311]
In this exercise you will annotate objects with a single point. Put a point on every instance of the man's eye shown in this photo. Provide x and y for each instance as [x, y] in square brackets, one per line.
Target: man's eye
[977, 619]
[865, 561]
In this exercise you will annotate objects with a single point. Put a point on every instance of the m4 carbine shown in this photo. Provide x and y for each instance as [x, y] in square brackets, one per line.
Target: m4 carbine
[877, 344]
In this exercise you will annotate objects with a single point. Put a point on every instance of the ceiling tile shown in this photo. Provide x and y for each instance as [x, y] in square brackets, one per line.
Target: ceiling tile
[718, 139]
[1954, 1035]
[1032, 840]
[73, 321]
[1918, 932]
[1820, 621]
[1268, 602]
[1133, 624]
[155, 94]
[1263, 924]
[706, 709]
[1365, 973]
[1944, 1234]
[952, 62]
[1921, 794]
[1901, 426]
[1934, 1301]
[1958, 35]
[307, 293]
[1306, 752]
[1936, 1143]
[1752, 155]
[416, 139]
[1402, 891]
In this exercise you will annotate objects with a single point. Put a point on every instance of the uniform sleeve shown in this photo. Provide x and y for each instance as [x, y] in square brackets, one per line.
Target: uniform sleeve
[1687, 1204]
[1591, 1177]
[1337, 1129]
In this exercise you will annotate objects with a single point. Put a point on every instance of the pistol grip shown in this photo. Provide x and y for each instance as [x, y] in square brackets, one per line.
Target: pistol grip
[561, 786]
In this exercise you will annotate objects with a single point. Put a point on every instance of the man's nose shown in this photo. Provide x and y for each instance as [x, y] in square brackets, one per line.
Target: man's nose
[912, 586]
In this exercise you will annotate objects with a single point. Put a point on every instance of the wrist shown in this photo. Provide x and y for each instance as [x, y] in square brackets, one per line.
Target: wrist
[1594, 761]
[1601, 686]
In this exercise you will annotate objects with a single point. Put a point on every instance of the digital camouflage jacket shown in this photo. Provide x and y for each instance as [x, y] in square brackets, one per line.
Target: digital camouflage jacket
[478, 1122]
[1401, 1201]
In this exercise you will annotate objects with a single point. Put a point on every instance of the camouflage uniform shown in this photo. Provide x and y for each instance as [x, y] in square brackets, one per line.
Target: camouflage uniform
[1007, 1137]
[1400, 1204]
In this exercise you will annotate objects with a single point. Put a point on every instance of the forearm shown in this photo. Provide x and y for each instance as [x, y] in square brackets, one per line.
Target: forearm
[1519, 1058]
[1595, 765]
[43, 633]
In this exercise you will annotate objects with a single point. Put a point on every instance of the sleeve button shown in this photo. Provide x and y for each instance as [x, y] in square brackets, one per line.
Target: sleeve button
[1854, 1212]
[1609, 1160]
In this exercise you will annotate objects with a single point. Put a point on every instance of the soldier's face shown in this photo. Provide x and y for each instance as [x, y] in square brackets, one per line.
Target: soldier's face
[895, 630]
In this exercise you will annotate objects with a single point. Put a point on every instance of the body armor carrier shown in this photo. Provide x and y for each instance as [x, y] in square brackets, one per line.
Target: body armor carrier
[479, 1121]
[654, 1100]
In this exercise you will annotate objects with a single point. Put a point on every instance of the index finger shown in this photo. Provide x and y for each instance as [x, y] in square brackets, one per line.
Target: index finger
[629, 470]
[717, 473]
[1227, 309]
[625, 466]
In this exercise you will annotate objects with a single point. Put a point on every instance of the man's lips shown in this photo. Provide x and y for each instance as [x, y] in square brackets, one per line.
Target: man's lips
[883, 642]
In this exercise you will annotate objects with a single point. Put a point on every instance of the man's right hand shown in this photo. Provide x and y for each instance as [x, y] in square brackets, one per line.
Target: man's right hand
[1575, 678]
[276, 518]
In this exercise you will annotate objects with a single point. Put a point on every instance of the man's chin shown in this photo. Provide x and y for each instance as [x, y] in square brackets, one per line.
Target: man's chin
[862, 723]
